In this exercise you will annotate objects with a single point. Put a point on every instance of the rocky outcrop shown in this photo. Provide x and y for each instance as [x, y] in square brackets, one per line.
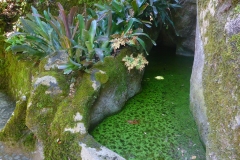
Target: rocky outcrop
[113, 96]
[215, 80]
[58, 110]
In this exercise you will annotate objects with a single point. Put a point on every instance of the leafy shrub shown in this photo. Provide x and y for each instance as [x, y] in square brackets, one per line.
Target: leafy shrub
[89, 37]
[159, 11]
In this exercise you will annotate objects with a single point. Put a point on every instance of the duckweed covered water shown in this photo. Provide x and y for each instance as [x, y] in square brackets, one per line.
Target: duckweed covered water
[156, 123]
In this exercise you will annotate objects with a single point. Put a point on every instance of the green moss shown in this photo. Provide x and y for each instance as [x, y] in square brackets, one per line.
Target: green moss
[62, 144]
[16, 127]
[3, 65]
[101, 77]
[43, 117]
[15, 78]
[42, 64]
[19, 74]
[221, 85]
[29, 142]
[117, 72]
[41, 112]
[235, 43]
[84, 97]
[62, 80]
[80, 102]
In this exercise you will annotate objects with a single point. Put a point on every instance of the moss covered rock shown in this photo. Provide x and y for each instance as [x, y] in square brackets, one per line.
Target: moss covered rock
[55, 111]
[218, 63]
[59, 109]
[16, 81]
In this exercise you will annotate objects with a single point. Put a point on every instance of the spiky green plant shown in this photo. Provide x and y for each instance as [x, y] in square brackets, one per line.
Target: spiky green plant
[88, 37]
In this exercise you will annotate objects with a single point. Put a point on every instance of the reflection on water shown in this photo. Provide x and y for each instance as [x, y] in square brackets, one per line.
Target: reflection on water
[156, 123]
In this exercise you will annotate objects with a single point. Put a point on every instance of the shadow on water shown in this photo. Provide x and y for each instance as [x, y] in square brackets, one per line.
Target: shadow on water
[156, 123]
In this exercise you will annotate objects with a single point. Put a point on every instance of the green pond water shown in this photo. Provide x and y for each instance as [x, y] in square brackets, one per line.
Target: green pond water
[156, 124]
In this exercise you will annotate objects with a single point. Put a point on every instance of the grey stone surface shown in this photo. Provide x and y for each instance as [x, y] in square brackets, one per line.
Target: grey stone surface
[56, 59]
[233, 26]
[7, 153]
[49, 81]
[6, 109]
[185, 23]
[215, 83]
[111, 101]
[197, 103]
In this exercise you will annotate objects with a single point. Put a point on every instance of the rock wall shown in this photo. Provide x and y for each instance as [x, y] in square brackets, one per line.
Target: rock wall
[215, 81]
[183, 37]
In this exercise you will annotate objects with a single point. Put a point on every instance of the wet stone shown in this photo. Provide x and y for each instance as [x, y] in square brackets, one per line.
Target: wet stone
[7, 107]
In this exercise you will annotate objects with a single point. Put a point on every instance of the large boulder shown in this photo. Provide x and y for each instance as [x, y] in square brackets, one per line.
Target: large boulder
[215, 81]
[57, 110]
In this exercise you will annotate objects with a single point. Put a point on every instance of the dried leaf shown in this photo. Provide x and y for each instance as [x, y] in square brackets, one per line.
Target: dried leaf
[133, 121]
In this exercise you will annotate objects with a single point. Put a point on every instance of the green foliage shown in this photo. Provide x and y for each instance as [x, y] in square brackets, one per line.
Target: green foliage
[235, 43]
[123, 26]
[160, 11]
[237, 9]
[15, 40]
[89, 37]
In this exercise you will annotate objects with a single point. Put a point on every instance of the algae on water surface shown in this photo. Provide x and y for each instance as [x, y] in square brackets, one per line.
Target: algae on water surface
[157, 123]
